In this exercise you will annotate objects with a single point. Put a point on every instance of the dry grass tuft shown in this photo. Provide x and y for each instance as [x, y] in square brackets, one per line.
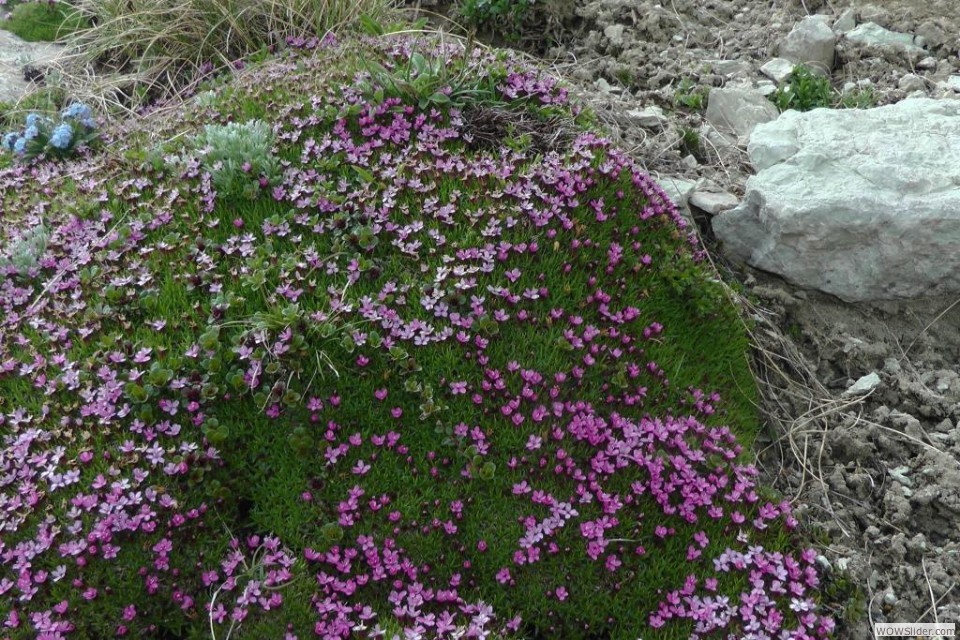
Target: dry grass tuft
[136, 51]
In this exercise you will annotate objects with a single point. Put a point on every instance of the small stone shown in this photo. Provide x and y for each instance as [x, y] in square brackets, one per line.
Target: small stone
[728, 67]
[811, 42]
[605, 87]
[912, 82]
[651, 117]
[931, 33]
[778, 69]
[766, 88]
[890, 598]
[845, 21]
[927, 63]
[714, 202]
[871, 33]
[843, 563]
[614, 34]
[679, 190]
[690, 161]
[950, 84]
[739, 109]
[899, 475]
[824, 563]
[864, 385]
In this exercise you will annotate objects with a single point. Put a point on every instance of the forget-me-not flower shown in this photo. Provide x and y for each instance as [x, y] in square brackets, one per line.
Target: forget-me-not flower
[61, 136]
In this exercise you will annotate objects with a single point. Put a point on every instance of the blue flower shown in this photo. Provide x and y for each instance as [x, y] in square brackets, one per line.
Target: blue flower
[20, 146]
[8, 140]
[33, 120]
[77, 110]
[61, 136]
[31, 131]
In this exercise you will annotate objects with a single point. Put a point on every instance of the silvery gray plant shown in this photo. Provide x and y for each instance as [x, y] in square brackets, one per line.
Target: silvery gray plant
[238, 156]
[24, 253]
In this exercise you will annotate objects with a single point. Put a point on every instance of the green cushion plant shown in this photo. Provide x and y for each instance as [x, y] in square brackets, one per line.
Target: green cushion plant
[446, 378]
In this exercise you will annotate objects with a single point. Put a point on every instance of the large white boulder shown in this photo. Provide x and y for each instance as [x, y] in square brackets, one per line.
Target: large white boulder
[861, 203]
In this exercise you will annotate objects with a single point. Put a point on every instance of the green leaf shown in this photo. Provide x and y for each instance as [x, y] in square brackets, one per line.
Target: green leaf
[370, 26]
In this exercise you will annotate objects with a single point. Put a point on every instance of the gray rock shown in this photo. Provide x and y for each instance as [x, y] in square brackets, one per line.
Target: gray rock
[15, 54]
[912, 82]
[950, 84]
[690, 161]
[738, 109]
[714, 202]
[651, 117]
[605, 87]
[778, 69]
[614, 34]
[716, 138]
[845, 21]
[862, 204]
[864, 385]
[870, 33]
[927, 63]
[900, 475]
[932, 34]
[811, 42]
[766, 88]
[728, 67]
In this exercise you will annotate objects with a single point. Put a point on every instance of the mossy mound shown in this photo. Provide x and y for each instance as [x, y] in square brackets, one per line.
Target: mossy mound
[453, 367]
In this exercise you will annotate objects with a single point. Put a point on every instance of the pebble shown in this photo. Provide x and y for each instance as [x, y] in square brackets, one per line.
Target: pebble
[864, 385]
[912, 82]
[614, 34]
[824, 563]
[714, 202]
[650, 117]
[777, 69]
[899, 475]
[951, 84]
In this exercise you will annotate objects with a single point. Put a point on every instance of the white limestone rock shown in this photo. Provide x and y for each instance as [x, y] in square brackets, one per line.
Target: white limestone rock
[15, 53]
[713, 202]
[778, 69]
[863, 385]
[846, 21]
[870, 33]
[651, 117]
[862, 204]
[811, 42]
[614, 34]
[911, 82]
[738, 110]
